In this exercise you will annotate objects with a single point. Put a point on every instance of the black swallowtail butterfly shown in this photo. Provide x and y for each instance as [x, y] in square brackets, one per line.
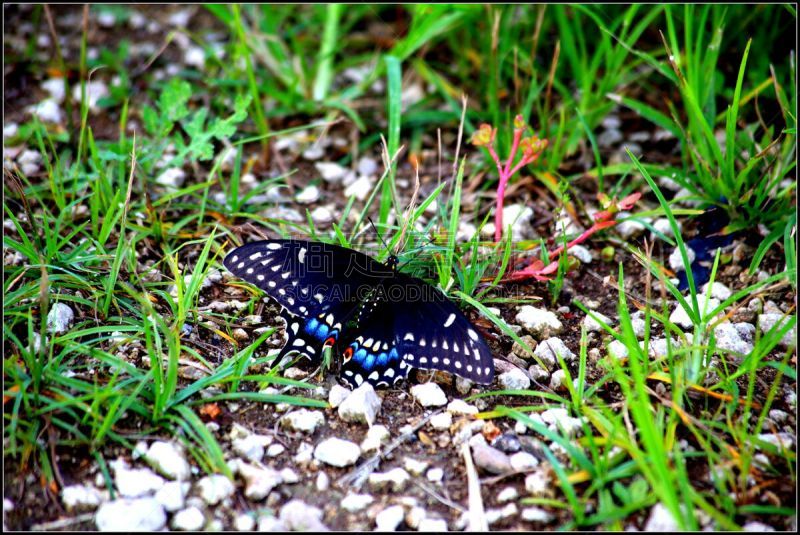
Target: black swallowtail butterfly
[380, 321]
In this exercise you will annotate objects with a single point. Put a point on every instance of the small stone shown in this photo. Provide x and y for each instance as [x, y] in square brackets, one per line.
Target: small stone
[168, 460]
[515, 379]
[609, 137]
[337, 395]
[270, 523]
[518, 216]
[757, 526]
[524, 352]
[259, 482]
[390, 518]
[377, 436]
[275, 450]
[215, 488]
[581, 253]
[299, 516]
[536, 514]
[323, 482]
[360, 188]
[537, 484]
[460, 407]
[429, 395]
[59, 318]
[436, 525]
[195, 56]
[435, 475]
[768, 321]
[717, 291]
[10, 130]
[442, 420]
[354, 503]
[549, 350]
[676, 260]
[240, 335]
[309, 195]
[778, 416]
[663, 226]
[321, 215]
[507, 494]
[618, 350]
[396, 478]
[172, 178]
[337, 452]
[728, 339]
[491, 459]
[140, 514]
[331, 171]
[638, 325]
[367, 166]
[537, 373]
[133, 483]
[779, 440]
[303, 420]
[81, 497]
[523, 461]
[361, 406]
[172, 495]
[680, 317]
[314, 152]
[593, 325]
[189, 519]
[48, 111]
[289, 476]
[661, 519]
[494, 516]
[557, 380]
[305, 453]
[95, 90]
[244, 522]
[630, 228]
[538, 322]
[414, 467]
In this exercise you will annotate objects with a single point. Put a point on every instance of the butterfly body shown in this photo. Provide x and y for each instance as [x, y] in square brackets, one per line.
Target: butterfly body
[380, 321]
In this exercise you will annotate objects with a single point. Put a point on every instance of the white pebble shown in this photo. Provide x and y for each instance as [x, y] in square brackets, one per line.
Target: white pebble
[337, 452]
[429, 395]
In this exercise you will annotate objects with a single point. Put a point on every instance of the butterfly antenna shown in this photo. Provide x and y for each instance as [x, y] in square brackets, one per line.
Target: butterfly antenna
[385, 245]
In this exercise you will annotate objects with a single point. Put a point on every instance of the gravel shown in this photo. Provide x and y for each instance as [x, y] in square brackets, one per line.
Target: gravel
[429, 395]
[337, 452]
[362, 405]
[126, 514]
[539, 322]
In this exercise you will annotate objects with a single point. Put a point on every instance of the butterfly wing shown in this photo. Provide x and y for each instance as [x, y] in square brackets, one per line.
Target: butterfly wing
[318, 285]
[306, 277]
[369, 346]
[433, 334]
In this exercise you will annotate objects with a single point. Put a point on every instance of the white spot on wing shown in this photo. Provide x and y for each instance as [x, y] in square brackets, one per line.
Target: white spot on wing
[409, 336]
[301, 256]
[450, 319]
[274, 246]
[255, 255]
[472, 334]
